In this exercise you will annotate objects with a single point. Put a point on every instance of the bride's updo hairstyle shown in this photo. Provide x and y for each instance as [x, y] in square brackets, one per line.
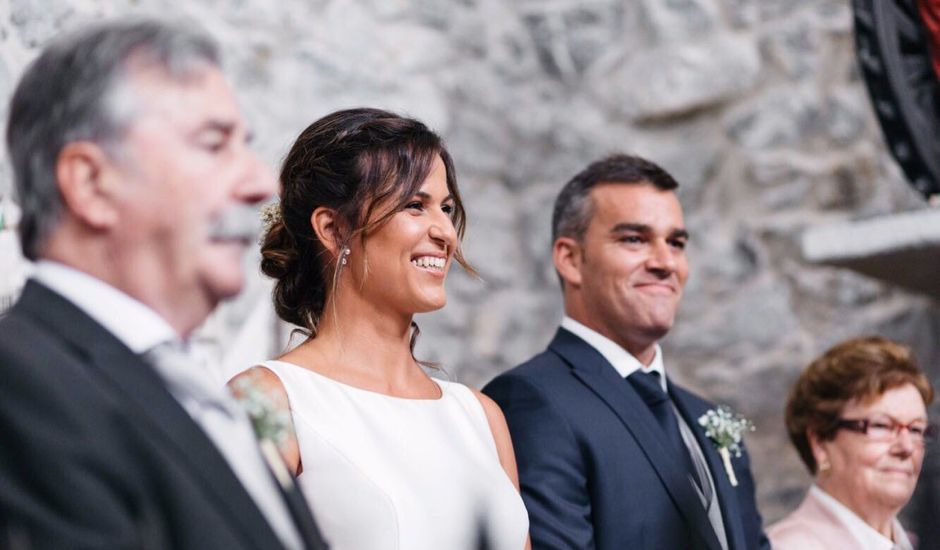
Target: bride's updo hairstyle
[364, 164]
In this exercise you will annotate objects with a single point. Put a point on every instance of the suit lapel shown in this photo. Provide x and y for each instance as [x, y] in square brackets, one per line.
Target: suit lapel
[156, 406]
[293, 497]
[297, 504]
[691, 408]
[596, 373]
[152, 407]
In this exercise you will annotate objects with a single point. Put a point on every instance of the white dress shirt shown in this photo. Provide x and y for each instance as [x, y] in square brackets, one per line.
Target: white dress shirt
[142, 330]
[623, 362]
[626, 364]
[866, 535]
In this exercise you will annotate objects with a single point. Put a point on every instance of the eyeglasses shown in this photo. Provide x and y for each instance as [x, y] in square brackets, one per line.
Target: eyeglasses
[884, 429]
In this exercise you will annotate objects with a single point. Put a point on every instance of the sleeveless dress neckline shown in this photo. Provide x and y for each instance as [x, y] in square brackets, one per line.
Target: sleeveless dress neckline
[363, 390]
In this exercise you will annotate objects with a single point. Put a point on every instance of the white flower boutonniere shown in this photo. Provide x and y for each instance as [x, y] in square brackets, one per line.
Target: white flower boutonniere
[726, 430]
[271, 422]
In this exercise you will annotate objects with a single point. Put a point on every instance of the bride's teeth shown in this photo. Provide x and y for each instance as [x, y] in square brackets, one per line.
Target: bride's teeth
[429, 262]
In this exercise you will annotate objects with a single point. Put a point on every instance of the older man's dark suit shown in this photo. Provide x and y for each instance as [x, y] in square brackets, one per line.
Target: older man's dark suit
[96, 453]
[596, 474]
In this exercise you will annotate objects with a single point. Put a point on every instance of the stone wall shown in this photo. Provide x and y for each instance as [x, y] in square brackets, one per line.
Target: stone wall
[754, 105]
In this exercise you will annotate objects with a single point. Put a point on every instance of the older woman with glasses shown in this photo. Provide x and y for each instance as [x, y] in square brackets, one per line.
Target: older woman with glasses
[857, 416]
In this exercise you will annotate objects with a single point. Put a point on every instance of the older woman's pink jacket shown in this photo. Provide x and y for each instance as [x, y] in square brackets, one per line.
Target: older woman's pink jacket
[815, 526]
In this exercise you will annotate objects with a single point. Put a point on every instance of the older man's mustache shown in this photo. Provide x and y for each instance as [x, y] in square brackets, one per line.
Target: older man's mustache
[240, 222]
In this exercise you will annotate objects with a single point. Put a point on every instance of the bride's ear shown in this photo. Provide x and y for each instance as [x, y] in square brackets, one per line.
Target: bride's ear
[325, 225]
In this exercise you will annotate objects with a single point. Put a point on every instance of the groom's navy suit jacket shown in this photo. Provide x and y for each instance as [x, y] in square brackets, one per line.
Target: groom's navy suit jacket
[96, 453]
[594, 471]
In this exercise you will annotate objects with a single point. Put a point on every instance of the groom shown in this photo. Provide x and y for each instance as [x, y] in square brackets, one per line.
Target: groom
[131, 164]
[609, 450]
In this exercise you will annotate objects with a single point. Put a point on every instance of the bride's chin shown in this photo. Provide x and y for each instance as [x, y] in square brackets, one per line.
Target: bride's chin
[432, 305]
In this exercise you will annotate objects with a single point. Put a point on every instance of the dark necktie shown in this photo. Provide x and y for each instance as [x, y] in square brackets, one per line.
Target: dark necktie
[647, 384]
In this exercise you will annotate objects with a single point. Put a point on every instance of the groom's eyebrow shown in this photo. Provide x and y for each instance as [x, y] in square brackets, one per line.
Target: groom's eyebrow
[642, 228]
[629, 227]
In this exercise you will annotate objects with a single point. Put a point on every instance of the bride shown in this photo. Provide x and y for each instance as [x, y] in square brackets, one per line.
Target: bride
[368, 225]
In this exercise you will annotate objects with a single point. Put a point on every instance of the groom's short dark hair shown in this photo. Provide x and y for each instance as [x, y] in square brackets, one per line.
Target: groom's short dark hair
[574, 207]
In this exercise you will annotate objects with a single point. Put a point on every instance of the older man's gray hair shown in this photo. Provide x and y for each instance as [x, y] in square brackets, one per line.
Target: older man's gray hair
[76, 91]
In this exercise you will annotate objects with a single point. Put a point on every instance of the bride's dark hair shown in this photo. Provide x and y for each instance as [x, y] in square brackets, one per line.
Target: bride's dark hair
[366, 165]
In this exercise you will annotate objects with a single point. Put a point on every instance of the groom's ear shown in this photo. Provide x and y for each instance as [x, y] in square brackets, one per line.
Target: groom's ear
[568, 259]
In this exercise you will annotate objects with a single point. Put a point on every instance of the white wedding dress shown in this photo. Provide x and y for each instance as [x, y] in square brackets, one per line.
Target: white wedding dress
[385, 473]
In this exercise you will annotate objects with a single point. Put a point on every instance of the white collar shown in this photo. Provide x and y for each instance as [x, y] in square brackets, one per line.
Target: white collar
[867, 535]
[133, 323]
[623, 362]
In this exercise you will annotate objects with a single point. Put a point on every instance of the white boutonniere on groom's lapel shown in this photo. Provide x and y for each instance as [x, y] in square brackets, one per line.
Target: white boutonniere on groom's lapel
[726, 430]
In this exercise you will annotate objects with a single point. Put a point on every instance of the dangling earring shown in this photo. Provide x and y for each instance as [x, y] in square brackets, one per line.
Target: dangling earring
[824, 466]
[345, 254]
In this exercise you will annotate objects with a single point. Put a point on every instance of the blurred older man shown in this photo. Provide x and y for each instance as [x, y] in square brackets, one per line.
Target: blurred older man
[132, 166]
